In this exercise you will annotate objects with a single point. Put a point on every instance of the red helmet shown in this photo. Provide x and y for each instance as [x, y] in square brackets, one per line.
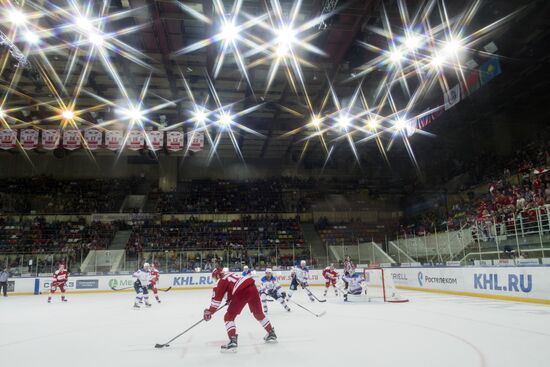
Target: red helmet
[218, 273]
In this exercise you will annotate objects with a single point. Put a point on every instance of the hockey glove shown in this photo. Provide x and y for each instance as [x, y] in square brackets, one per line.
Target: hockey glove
[207, 316]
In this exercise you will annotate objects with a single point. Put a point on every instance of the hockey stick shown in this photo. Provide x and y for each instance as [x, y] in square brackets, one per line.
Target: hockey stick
[121, 289]
[167, 344]
[308, 310]
[313, 295]
[165, 290]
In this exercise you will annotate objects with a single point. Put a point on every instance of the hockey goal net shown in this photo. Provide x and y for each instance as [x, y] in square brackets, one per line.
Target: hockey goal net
[380, 285]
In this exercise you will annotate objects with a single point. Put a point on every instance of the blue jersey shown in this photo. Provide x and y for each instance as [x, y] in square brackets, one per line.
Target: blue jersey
[245, 273]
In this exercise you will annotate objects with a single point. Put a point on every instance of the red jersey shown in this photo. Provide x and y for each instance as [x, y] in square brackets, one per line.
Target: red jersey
[329, 274]
[155, 276]
[60, 276]
[229, 285]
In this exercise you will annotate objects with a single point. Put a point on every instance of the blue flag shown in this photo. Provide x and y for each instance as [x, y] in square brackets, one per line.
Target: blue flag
[489, 70]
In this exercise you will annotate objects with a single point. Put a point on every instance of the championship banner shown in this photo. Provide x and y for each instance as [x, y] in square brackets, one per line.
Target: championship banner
[196, 141]
[174, 141]
[71, 139]
[452, 97]
[8, 139]
[93, 138]
[155, 140]
[50, 139]
[113, 138]
[135, 140]
[28, 138]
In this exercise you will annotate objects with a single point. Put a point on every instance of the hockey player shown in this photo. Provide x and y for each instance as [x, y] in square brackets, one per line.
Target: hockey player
[330, 275]
[349, 269]
[143, 278]
[155, 276]
[355, 284]
[271, 287]
[240, 291]
[60, 278]
[300, 275]
[246, 270]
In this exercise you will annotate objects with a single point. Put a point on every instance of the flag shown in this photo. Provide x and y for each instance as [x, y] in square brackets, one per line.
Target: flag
[155, 140]
[113, 138]
[71, 139]
[8, 139]
[135, 139]
[174, 140]
[93, 138]
[50, 139]
[471, 83]
[452, 97]
[196, 141]
[490, 70]
[28, 138]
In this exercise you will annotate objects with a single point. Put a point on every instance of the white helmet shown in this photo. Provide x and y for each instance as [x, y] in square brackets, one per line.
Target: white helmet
[146, 266]
[303, 263]
[245, 267]
[268, 271]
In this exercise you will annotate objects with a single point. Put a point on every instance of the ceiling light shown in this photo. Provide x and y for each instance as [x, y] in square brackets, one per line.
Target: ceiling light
[229, 31]
[67, 115]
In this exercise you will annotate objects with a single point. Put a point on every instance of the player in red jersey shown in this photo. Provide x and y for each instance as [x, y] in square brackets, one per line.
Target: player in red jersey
[155, 276]
[60, 278]
[240, 291]
[330, 275]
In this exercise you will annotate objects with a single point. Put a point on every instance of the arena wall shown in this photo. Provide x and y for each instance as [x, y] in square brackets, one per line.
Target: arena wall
[523, 284]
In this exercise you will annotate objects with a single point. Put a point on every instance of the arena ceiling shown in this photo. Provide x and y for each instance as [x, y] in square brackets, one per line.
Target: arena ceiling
[290, 69]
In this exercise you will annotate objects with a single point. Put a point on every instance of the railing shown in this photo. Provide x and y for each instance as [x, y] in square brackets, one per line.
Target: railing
[525, 230]
[33, 264]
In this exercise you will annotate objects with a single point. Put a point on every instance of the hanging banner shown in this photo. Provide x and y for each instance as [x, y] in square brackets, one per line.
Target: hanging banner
[93, 138]
[71, 139]
[174, 141]
[196, 141]
[452, 97]
[50, 138]
[155, 140]
[113, 139]
[472, 83]
[28, 138]
[135, 140]
[490, 69]
[8, 139]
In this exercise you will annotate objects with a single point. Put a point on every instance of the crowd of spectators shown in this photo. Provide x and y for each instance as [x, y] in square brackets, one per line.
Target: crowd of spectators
[349, 233]
[45, 243]
[46, 195]
[274, 195]
[38, 236]
[261, 240]
[246, 232]
[519, 193]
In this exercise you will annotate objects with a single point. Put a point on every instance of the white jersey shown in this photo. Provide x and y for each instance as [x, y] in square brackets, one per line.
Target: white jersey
[144, 277]
[349, 268]
[269, 284]
[355, 283]
[302, 274]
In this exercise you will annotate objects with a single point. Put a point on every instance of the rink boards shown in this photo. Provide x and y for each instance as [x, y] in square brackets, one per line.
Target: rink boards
[524, 283]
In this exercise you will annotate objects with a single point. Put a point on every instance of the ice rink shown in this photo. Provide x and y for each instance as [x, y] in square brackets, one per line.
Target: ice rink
[430, 330]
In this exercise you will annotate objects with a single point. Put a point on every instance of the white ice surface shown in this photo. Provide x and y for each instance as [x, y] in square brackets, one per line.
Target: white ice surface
[102, 330]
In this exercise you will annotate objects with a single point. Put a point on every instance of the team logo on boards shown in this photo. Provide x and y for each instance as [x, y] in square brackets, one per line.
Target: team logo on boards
[113, 283]
[421, 278]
